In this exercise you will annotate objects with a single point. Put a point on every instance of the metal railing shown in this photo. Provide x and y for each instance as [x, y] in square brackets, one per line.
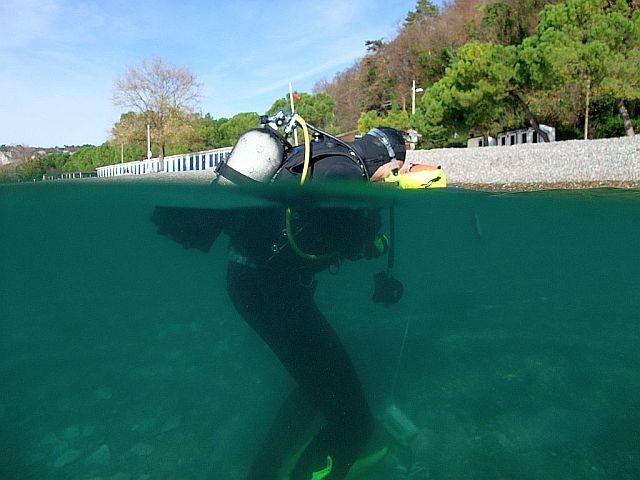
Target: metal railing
[187, 162]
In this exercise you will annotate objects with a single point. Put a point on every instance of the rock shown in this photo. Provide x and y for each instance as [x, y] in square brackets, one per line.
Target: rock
[120, 476]
[141, 449]
[103, 393]
[171, 423]
[71, 432]
[67, 457]
[102, 456]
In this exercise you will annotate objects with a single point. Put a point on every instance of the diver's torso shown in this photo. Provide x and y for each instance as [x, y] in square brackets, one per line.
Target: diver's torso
[309, 239]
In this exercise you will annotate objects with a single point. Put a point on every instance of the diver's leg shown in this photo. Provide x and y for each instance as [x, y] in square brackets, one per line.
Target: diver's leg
[254, 300]
[290, 428]
[328, 377]
[284, 314]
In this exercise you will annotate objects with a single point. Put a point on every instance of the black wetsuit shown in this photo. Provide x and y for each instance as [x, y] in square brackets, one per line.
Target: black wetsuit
[272, 287]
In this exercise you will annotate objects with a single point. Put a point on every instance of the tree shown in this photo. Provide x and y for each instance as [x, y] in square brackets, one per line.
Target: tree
[482, 91]
[377, 82]
[622, 35]
[316, 109]
[232, 128]
[439, 114]
[398, 119]
[31, 169]
[345, 91]
[425, 10]
[592, 43]
[55, 161]
[22, 153]
[209, 134]
[163, 96]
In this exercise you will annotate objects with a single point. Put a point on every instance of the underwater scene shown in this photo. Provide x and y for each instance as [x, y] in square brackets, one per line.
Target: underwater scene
[514, 352]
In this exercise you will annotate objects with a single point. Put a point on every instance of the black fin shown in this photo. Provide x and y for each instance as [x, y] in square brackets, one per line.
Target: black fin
[190, 227]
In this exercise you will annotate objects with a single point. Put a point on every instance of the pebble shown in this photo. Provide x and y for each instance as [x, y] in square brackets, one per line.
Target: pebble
[608, 159]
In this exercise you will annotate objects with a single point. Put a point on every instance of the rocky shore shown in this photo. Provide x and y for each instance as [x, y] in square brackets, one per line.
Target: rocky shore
[573, 164]
[611, 162]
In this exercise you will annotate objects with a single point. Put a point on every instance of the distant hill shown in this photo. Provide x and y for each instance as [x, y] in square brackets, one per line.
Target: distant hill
[15, 154]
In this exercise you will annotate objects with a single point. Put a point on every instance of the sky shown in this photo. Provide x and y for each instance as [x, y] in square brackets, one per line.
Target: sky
[60, 59]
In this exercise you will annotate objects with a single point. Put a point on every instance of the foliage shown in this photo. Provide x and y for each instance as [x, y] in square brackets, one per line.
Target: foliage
[317, 109]
[397, 119]
[232, 128]
[475, 94]
[161, 96]
[425, 10]
[30, 169]
[594, 44]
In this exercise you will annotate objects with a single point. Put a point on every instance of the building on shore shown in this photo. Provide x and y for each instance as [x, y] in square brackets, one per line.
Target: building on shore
[513, 137]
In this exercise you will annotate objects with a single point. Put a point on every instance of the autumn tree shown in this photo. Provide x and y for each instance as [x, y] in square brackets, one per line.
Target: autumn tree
[159, 95]
[345, 90]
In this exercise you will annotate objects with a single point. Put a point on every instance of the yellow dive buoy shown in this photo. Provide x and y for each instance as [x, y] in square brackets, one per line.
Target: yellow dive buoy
[419, 176]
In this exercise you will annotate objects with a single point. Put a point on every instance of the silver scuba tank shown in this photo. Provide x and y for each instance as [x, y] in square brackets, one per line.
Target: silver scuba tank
[255, 157]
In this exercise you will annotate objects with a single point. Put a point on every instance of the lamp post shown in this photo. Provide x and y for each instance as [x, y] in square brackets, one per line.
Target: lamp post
[414, 90]
[148, 142]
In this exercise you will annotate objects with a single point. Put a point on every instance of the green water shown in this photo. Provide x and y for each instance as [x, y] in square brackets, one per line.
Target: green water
[122, 358]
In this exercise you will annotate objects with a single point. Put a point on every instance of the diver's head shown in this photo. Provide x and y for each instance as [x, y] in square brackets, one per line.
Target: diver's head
[380, 148]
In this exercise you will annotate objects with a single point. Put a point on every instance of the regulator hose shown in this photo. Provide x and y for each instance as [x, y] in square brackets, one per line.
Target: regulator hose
[303, 178]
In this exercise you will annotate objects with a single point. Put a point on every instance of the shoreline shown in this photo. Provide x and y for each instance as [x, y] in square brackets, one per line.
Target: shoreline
[541, 186]
[564, 165]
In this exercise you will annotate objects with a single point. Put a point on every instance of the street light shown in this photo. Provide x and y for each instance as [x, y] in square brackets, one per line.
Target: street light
[414, 90]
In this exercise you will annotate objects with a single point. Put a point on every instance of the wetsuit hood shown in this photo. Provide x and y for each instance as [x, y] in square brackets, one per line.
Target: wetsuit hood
[373, 151]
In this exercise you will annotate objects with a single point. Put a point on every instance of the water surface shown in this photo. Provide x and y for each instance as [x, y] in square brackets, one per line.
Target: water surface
[121, 356]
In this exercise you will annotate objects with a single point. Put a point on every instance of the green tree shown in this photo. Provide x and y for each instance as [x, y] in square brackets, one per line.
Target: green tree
[593, 44]
[398, 119]
[316, 109]
[425, 10]
[621, 33]
[210, 132]
[439, 115]
[55, 162]
[481, 91]
[31, 169]
[232, 128]
[501, 24]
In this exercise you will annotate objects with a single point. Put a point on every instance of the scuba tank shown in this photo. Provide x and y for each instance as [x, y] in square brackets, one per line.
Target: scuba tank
[256, 157]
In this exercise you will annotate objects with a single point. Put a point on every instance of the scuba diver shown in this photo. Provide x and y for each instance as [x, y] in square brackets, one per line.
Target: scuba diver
[274, 255]
[273, 258]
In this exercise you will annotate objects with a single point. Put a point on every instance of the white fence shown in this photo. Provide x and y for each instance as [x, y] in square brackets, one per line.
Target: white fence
[187, 162]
